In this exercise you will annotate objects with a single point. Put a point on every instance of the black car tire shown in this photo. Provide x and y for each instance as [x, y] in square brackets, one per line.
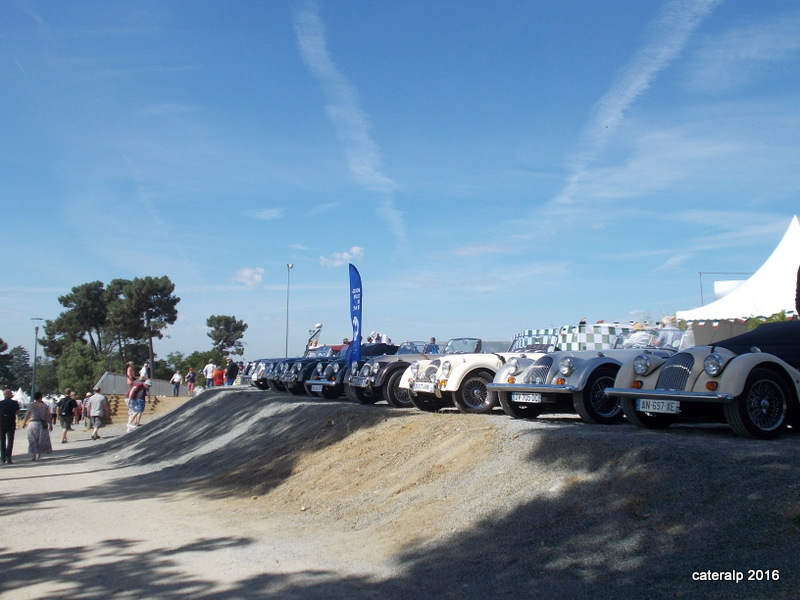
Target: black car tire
[472, 396]
[296, 390]
[427, 402]
[643, 419]
[331, 392]
[518, 410]
[362, 395]
[395, 395]
[592, 405]
[763, 409]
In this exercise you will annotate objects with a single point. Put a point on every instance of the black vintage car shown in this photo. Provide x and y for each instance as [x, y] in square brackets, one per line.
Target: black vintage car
[328, 378]
[378, 378]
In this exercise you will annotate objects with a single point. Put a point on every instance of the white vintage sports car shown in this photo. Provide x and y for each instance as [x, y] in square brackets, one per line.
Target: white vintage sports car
[461, 375]
[567, 380]
[751, 381]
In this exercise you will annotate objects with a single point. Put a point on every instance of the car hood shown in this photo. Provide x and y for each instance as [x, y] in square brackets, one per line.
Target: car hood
[779, 339]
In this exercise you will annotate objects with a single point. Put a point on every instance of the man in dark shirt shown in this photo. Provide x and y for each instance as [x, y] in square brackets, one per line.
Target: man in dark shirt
[66, 412]
[9, 409]
[231, 371]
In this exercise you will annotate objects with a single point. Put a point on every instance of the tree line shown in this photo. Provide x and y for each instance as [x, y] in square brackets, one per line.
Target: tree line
[102, 327]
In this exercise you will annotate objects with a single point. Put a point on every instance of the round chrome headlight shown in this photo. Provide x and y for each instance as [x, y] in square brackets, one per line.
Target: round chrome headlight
[297, 367]
[374, 368]
[713, 364]
[512, 366]
[642, 364]
[319, 369]
[335, 368]
[446, 368]
[354, 367]
[414, 368]
[566, 366]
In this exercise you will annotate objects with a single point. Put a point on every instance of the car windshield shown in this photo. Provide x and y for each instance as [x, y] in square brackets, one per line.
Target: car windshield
[462, 346]
[411, 348]
[534, 343]
[668, 338]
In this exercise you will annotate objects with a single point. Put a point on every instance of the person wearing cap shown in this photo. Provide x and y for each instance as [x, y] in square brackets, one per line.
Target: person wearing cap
[138, 396]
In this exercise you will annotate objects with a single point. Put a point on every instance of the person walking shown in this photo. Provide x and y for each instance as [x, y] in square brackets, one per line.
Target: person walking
[137, 397]
[130, 374]
[208, 373]
[98, 409]
[66, 412]
[9, 409]
[191, 378]
[176, 381]
[219, 377]
[39, 424]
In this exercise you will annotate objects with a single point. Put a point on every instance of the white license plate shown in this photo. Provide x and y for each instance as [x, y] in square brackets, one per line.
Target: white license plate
[422, 386]
[672, 407]
[316, 387]
[525, 397]
[359, 381]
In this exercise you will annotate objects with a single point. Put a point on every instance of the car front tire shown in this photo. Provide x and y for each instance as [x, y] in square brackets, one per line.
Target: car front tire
[395, 395]
[473, 397]
[518, 410]
[643, 419]
[763, 410]
[591, 403]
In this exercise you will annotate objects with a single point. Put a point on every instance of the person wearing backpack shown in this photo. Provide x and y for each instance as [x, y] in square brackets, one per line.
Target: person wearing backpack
[66, 412]
[9, 409]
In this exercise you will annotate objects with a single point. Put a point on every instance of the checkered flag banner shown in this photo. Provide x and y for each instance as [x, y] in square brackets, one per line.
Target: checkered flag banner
[533, 337]
[600, 336]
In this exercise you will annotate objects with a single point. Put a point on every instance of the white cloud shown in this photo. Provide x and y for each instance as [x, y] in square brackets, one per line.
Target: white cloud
[669, 35]
[743, 55]
[338, 259]
[249, 276]
[344, 110]
[266, 214]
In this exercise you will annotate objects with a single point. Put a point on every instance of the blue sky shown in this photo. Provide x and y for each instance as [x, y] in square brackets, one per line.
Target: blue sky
[488, 166]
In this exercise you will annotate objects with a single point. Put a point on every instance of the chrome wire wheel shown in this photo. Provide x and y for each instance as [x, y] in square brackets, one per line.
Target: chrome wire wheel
[763, 410]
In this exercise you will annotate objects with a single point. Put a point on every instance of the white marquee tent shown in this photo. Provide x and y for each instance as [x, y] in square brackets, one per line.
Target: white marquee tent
[769, 290]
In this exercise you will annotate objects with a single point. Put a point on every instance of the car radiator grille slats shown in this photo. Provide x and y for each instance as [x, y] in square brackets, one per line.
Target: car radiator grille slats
[675, 372]
[538, 371]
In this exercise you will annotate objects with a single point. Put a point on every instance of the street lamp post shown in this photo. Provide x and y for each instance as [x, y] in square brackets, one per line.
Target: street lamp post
[35, 348]
[289, 268]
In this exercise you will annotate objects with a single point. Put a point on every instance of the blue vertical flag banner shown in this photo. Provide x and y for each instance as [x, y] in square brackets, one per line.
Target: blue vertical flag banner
[355, 313]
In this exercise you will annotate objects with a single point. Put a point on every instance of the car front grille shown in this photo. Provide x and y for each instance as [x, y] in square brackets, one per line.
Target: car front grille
[675, 372]
[537, 372]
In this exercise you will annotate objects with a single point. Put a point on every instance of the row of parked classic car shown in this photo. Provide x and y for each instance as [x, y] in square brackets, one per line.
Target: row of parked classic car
[605, 373]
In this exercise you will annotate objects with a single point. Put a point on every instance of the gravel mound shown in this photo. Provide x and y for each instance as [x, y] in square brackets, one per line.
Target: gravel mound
[452, 505]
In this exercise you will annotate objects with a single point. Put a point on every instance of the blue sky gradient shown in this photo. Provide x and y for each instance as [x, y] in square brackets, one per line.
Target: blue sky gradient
[488, 166]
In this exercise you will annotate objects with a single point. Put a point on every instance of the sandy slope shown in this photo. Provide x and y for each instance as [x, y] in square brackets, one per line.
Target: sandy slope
[247, 494]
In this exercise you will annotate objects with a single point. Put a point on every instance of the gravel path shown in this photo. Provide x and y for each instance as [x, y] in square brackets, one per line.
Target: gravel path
[247, 494]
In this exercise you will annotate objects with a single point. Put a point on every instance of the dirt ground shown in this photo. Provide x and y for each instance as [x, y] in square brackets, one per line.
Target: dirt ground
[245, 494]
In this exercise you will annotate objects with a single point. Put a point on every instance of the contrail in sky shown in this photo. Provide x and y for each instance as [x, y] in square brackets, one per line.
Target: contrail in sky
[343, 109]
[669, 34]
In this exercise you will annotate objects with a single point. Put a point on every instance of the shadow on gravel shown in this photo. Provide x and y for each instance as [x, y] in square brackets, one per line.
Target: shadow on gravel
[643, 515]
[626, 513]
